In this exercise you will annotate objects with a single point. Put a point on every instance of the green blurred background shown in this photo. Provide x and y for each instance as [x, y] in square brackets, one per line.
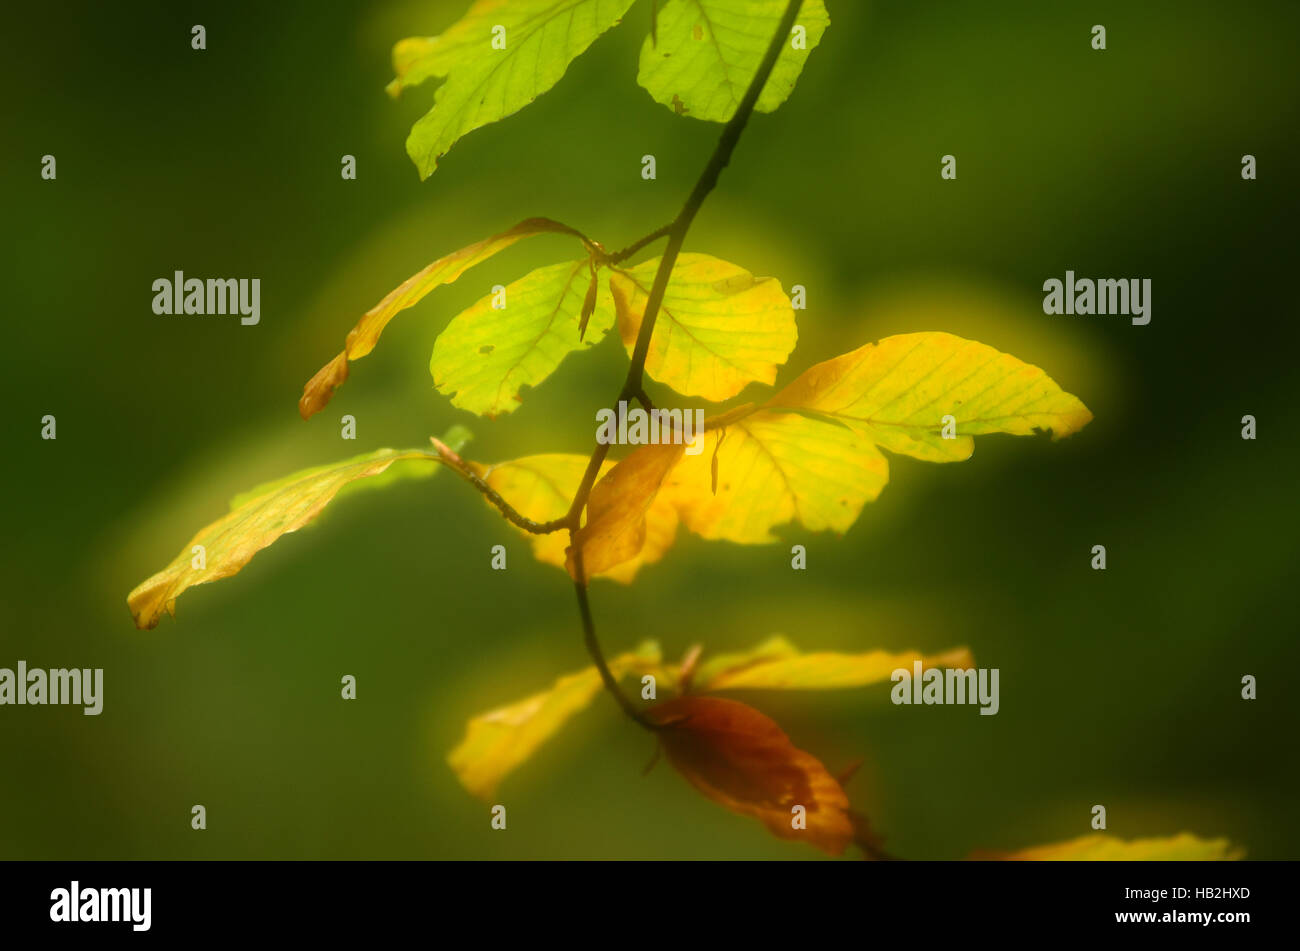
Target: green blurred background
[1118, 687]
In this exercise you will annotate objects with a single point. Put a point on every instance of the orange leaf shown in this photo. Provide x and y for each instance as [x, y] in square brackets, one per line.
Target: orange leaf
[321, 387]
[742, 760]
[616, 511]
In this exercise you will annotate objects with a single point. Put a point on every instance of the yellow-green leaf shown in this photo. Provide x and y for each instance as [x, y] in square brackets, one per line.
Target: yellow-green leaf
[719, 328]
[898, 391]
[255, 521]
[773, 468]
[535, 40]
[485, 356]
[363, 337]
[778, 665]
[707, 52]
[1183, 847]
[498, 741]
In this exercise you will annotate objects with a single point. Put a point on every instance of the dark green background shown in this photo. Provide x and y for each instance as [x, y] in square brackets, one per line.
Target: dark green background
[1120, 688]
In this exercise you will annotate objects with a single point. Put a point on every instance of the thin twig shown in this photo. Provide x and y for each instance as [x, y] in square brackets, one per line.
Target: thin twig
[452, 460]
[618, 257]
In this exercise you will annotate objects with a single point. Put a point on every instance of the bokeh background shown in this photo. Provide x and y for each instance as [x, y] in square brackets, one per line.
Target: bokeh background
[1118, 687]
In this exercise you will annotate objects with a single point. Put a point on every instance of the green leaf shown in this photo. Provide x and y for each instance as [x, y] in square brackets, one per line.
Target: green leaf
[707, 53]
[719, 328]
[258, 518]
[485, 356]
[483, 84]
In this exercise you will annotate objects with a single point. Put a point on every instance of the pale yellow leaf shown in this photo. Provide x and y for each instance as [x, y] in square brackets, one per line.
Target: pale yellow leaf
[774, 468]
[1099, 847]
[719, 328]
[898, 391]
[498, 741]
[257, 519]
[776, 665]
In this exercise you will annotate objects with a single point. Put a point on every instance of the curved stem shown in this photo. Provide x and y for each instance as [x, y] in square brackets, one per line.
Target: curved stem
[633, 387]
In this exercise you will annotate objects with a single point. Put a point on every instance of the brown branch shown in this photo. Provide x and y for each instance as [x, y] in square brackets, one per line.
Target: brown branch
[456, 464]
[633, 387]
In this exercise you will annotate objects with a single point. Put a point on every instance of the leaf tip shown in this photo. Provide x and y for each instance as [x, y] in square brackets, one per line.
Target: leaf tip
[320, 388]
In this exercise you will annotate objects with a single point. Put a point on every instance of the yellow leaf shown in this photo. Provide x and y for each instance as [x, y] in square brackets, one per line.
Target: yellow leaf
[486, 355]
[898, 391]
[256, 520]
[363, 337]
[1183, 847]
[719, 328]
[742, 760]
[773, 468]
[498, 741]
[615, 531]
[777, 665]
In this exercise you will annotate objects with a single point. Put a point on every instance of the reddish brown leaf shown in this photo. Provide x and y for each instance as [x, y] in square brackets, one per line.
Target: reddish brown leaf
[742, 760]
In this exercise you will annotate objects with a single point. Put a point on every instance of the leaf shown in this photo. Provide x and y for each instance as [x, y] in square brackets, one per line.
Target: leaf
[542, 487]
[484, 84]
[1183, 847]
[742, 760]
[256, 520]
[773, 468]
[708, 52]
[897, 391]
[485, 357]
[497, 742]
[719, 328]
[809, 455]
[777, 665]
[615, 531]
[363, 337]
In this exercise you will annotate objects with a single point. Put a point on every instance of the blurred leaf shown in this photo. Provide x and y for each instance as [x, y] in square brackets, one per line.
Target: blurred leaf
[540, 488]
[363, 337]
[1183, 847]
[774, 468]
[258, 518]
[777, 665]
[485, 356]
[742, 760]
[482, 83]
[615, 531]
[498, 741]
[707, 53]
[897, 391]
[719, 328]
